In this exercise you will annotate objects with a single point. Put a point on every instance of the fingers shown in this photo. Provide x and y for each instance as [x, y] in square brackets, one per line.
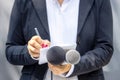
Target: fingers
[59, 69]
[55, 69]
[52, 68]
[44, 43]
[37, 39]
[35, 44]
[33, 49]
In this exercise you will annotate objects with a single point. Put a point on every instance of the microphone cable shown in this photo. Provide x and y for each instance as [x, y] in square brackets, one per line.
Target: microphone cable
[51, 75]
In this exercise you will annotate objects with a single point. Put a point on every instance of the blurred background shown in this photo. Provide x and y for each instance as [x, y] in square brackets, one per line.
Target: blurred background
[112, 70]
[7, 71]
[11, 72]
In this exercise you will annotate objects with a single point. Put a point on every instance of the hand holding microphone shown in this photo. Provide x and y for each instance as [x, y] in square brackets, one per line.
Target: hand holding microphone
[59, 69]
[57, 56]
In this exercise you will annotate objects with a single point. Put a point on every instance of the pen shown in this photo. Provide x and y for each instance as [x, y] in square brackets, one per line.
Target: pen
[36, 31]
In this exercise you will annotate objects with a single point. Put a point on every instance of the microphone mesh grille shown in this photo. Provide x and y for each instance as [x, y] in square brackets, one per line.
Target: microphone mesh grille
[72, 56]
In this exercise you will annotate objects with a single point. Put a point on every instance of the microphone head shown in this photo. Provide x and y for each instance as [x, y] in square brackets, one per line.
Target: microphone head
[56, 55]
[72, 57]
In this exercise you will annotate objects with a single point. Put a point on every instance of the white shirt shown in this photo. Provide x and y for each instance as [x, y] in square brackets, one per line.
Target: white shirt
[63, 23]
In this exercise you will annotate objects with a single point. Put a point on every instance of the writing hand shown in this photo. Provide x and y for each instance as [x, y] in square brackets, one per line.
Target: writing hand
[35, 44]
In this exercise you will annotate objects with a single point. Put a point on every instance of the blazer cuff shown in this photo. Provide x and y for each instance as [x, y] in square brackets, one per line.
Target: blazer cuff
[34, 58]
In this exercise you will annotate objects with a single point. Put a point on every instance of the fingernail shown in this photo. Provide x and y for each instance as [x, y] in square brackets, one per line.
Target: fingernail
[46, 45]
[42, 45]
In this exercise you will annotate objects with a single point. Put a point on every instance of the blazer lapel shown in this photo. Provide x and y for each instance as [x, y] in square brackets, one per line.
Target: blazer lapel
[40, 6]
[84, 8]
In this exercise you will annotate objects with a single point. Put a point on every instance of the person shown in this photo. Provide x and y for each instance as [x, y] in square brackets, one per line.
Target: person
[88, 23]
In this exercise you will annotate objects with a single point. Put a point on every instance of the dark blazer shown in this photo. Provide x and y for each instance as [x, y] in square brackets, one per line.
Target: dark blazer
[94, 37]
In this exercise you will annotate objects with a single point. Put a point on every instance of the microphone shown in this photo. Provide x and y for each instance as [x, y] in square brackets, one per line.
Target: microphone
[57, 55]
[72, 56]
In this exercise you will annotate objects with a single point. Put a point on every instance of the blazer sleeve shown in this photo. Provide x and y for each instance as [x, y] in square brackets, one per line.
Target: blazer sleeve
[16, 46]
[102, 53]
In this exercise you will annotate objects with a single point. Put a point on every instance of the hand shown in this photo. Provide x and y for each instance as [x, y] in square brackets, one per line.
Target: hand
[59, 69]
[35, 44]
